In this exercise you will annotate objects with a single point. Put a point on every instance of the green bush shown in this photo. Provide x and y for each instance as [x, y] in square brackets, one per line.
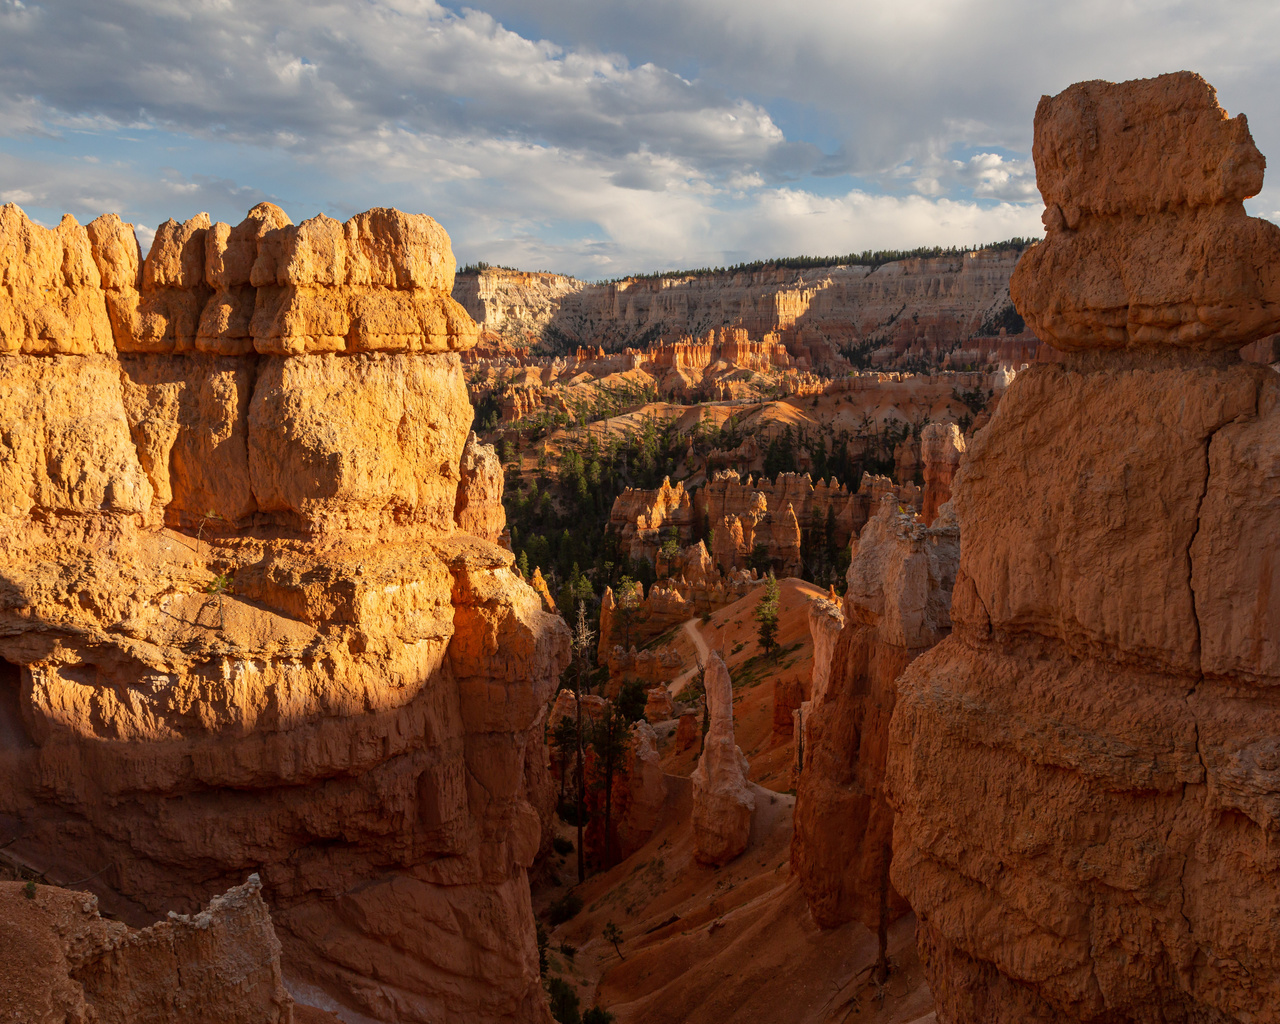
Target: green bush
[562, 846]
[564, 908]
[596, 1015]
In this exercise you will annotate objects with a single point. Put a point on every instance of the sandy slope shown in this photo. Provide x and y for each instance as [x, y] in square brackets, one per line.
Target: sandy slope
[734, 945]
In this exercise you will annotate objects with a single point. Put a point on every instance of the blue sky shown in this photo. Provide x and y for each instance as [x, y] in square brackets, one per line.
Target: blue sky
[584, 136]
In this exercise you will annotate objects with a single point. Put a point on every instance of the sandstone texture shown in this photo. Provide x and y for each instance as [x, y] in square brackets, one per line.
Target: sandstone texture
[723, 801]
[252, 617]
[1147, 239]
[1082, 774]
[896, 607]
[64, 962]
[942, 448]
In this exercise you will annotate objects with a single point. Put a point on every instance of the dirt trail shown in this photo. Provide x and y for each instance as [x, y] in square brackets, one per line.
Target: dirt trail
[682, 680]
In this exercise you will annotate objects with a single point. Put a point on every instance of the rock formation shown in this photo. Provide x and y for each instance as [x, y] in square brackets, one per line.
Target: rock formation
[896, 607]
[942, 447]
[240, 626]
[1083, 773]
[658, 704]
[478, 509]
[723, 802]
[1148, 242]
[931, 308]
[669, 602]
[64, 962]
[644, 791]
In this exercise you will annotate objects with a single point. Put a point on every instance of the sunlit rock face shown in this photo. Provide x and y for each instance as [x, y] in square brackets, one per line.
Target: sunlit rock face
[1083, 774]
[252, 614]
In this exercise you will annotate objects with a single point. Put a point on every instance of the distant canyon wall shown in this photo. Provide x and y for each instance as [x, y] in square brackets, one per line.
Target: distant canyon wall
[928, 308]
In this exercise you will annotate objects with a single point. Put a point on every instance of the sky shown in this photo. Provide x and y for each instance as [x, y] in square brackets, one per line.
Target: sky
[591, 137]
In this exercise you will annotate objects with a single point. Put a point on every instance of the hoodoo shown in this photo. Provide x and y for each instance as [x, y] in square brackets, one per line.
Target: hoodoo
[1084, 773]
[251, 612]
[723, 802]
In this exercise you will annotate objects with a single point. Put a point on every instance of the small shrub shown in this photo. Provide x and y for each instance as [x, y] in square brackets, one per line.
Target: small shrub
[566, 907]
[567, 951]
[562, 846]
[596, 1015]
[563, 1001]
[29, 890]
[613, 935]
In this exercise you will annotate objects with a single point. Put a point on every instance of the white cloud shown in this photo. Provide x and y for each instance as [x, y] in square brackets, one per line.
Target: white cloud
[638, 134]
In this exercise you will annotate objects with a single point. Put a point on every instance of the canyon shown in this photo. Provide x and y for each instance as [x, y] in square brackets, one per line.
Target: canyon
[308, 541]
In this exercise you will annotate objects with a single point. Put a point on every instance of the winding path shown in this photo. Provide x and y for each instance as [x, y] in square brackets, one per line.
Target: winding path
[704, 652]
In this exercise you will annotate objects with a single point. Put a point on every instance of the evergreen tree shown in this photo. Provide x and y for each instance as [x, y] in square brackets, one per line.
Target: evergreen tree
[767, 616]
[609, 741]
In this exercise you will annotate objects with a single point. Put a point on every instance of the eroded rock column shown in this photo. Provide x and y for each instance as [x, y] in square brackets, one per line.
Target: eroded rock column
[723, 802]
[1082, 774]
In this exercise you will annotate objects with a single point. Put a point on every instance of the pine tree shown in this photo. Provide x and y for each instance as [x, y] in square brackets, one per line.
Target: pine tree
[767, 616]
[609, 741]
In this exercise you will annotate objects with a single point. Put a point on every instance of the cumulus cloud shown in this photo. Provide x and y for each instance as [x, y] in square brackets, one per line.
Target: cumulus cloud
[306, 76]
[593, 138]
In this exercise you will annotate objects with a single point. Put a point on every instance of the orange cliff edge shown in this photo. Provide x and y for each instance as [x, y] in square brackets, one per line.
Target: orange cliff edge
[253, 618]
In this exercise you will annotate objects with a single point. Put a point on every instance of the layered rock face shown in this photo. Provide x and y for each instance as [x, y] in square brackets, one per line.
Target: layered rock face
[896, 607]
[1083, 773]
[240, 626]
[913, 307]
[511, 305]
[723, 802]
[64, 962]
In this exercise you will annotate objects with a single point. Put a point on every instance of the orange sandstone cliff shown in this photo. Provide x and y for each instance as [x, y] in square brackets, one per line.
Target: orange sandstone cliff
[896, 607]
[1084, 774]
[252, 618]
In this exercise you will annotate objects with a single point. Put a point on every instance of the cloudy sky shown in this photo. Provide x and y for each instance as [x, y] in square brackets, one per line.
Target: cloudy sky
[587, 136]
